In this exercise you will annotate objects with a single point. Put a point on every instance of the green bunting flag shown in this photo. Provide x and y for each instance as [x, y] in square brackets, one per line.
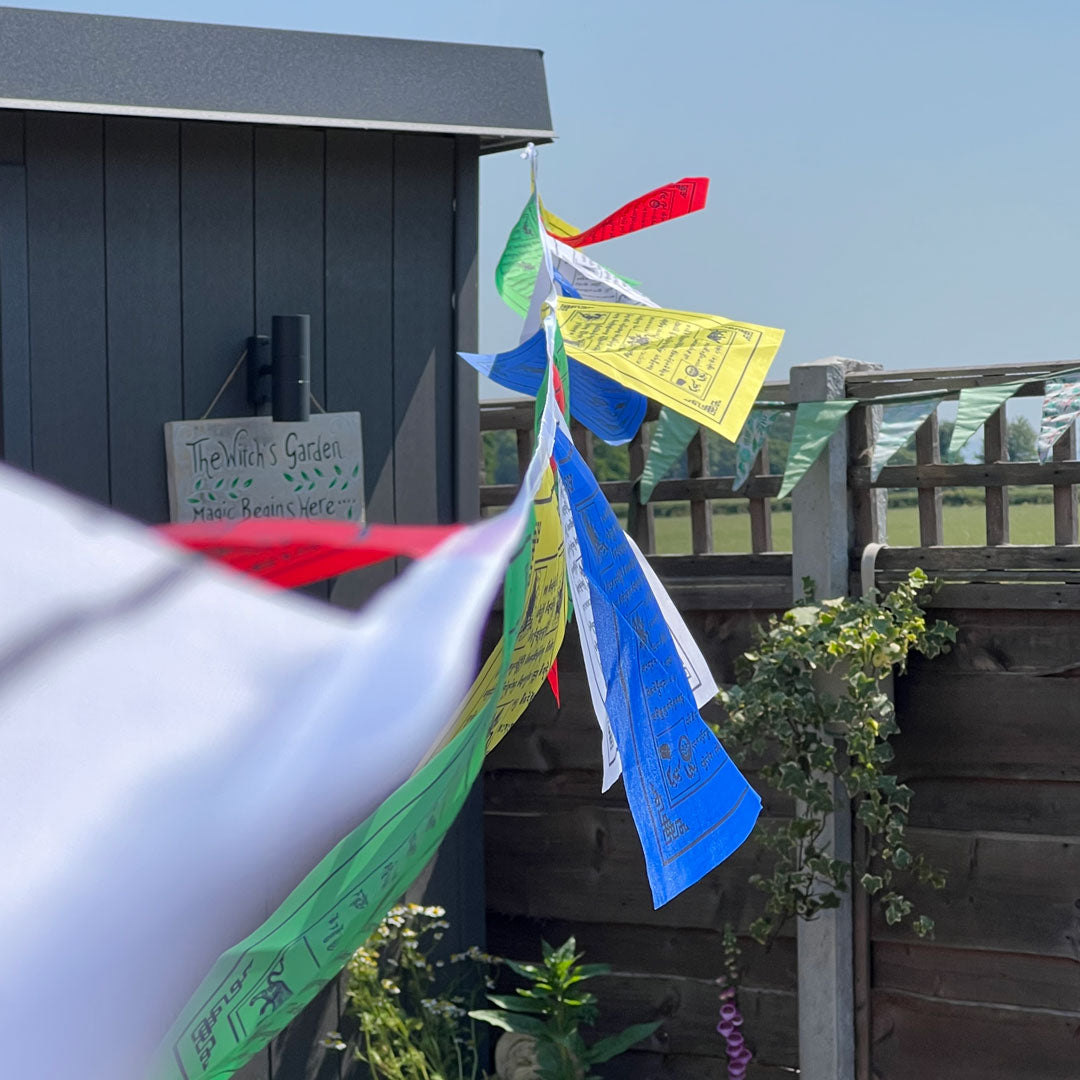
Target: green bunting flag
[898, 424]
[752, 438]
[976, 405]
[670, 438]
[815, 421]
[515, 275]
[1061, 406]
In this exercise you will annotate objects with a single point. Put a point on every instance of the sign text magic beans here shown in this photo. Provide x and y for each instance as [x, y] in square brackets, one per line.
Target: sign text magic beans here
[251, 467]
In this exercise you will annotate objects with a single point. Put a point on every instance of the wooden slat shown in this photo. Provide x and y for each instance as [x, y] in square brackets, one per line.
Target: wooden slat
[359, 328]
[621, 491]
[68, 342]
[982, 724]
[217, 240]
[996, 449]
[424, 361]
[583, 440]
[1003, 473]
[1065, 494]
[466, 326]
[689, 1009]
[1031, 807]
[867, 506]
[506, 415]
[974, 371]
[1022, 642]
[142, 238]
[1007, 892]
[937, 559]
[649, 950]
[289, 224]
[760, 509]
[639, 1065]
[722, 564]
[523, 439]
[16, 436]
[928, 452]
[931, 1039]
[1040, 982]
[697, 460]
[1002, 596]
[298, 1052]
[584, 864]
[640, 518]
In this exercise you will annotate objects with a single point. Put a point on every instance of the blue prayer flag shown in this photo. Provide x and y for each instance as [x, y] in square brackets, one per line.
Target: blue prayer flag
[691, 805]
[611, 411]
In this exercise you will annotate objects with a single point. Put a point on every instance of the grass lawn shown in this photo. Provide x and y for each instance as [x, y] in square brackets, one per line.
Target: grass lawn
[1029, 523]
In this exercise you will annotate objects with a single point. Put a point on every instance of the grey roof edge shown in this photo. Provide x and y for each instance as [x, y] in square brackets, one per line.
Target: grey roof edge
[115, 65]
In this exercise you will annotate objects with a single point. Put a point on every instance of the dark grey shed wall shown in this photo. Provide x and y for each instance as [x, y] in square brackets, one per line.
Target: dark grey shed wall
[136, 255]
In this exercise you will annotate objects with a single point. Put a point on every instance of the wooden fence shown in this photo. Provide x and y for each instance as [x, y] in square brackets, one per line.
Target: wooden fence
[990, 744]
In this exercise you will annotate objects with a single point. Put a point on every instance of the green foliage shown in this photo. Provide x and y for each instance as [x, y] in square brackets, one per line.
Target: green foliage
[552, 1007]
[811, 700]
[500, 457]
[412, 1011]
[1021, 440]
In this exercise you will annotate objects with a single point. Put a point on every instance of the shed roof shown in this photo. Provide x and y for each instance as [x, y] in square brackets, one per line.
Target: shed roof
[150, 67]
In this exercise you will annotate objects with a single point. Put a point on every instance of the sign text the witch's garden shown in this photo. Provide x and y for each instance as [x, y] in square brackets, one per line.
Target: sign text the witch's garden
[245, 467]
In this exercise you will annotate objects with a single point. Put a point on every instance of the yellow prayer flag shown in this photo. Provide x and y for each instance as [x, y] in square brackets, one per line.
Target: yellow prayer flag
[542, 625]
[703, 366]
[555, 224]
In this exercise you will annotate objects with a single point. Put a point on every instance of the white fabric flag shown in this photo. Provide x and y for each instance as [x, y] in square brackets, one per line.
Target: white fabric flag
[697, 670]
[179, 745]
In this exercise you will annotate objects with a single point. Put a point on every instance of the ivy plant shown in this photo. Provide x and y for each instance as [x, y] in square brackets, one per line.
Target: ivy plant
[812, 703]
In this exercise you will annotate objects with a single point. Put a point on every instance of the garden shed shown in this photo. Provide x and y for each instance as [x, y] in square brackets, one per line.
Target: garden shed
[167, 188]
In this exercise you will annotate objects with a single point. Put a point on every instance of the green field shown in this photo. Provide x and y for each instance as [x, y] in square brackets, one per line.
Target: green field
[1029, 523]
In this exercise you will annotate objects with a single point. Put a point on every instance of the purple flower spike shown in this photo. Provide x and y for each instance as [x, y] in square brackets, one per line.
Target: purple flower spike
[725, 1028]
[728, 1011]
[735, 1042]
[737, 1019]
[727, 994]
[736, 1072]
[742, 1056]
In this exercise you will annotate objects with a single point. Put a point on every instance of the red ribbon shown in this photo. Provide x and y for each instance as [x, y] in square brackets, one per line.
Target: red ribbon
[292, 553]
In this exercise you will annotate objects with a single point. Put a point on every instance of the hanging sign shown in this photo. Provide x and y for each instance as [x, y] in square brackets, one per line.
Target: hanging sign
[254, 467]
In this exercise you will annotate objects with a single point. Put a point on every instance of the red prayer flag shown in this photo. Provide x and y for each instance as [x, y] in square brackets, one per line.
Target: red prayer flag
[670, 201]
[292, 553]
[553, 682]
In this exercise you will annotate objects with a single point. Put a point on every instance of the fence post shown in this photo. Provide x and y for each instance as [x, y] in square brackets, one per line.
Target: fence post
[822, 531]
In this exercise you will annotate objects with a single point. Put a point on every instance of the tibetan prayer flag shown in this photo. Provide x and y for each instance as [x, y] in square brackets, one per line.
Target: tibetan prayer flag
[515, 274]
[899, 423]
[703, 366]
[671, 436]
[580, 278]
[655, 207]
[815, 422]
[690, 804]
[1061, 405]
[607, 409]
[976, 405]
[291, 553]
[754, 435]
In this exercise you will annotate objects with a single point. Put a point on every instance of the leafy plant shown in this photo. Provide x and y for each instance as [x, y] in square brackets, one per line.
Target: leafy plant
[552, 1007]
[413, 1010]
[811, 699]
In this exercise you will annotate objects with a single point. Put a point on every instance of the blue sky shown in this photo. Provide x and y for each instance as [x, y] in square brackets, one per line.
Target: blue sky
[892, 181]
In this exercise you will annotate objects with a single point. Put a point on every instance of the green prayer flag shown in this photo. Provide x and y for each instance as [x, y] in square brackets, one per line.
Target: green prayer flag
[516, 272]
[670, 438]
[898, 423]
[815, 422]
[258, 986]
[752, 438]
[976, 405]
